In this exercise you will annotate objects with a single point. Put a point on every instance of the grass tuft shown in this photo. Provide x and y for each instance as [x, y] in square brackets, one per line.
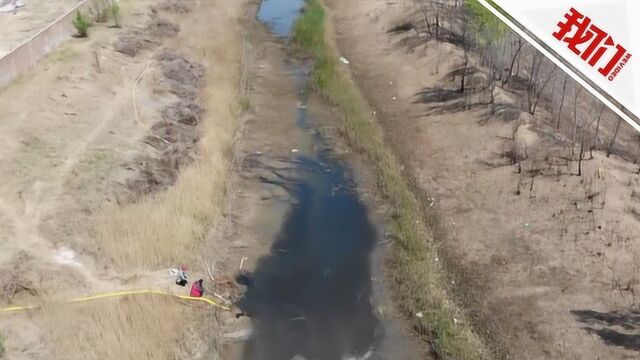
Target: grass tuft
[421, 281]
[82, 23]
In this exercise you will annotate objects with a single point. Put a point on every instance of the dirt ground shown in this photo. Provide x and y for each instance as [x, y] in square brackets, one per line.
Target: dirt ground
[27, 21]
[554, 255]
[94, 134]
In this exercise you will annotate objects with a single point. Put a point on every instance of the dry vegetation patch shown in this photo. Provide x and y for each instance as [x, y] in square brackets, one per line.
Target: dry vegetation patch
[135, 40]
[168, 226]
[134, 328]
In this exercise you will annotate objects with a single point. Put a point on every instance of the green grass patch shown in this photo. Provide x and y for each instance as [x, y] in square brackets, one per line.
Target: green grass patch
[420, 279]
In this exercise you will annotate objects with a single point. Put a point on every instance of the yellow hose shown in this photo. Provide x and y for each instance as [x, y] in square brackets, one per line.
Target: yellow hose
[120, 294]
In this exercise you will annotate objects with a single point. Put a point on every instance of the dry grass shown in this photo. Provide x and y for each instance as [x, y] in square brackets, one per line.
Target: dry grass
[130, 328]
[169, 227]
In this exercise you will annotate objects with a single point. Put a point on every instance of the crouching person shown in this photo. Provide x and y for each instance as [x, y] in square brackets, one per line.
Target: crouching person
[197, 289]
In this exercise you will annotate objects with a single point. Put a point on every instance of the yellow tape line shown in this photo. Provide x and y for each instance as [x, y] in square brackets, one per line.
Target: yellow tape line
[120, 294]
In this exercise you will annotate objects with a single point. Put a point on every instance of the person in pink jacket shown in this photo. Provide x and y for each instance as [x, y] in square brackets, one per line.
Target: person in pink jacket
[197, 290]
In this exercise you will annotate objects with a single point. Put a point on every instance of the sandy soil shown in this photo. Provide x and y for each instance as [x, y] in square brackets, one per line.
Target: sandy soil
[76, 143]
[27, 21]
[553, 255]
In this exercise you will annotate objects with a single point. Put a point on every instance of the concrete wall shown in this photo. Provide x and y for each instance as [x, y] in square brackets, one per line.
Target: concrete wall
[25, 56]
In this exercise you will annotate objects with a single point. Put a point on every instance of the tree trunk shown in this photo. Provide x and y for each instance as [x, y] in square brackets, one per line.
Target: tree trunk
[595, 137]
[465, 48]
[513, 63]
[492, 88]
[425, 15]
[532, 111]
[638, 156]
[536, 60]
[437, 22]
[564, 87]
[575, 119]
[613, 139]
[581, 155]
[464, 73]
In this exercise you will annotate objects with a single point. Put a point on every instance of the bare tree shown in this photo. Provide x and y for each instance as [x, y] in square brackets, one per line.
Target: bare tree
[537, 84]
[425, 16]
[637, 156]
[513, 62]
[581, 155]
[509, 61]
[466, 44]
[438, 7]
[576, 123]
[635, 161]
[492, 98]
[594, 145]
[613, 138]
[564, 88]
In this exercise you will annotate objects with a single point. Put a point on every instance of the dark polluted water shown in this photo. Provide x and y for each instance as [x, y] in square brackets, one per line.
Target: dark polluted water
[310, 297]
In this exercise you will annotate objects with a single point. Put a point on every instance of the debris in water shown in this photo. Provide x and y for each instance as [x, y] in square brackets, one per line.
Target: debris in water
[244, 258]
[294, 150]
[239, 335]
[344, 60]
[298, 318]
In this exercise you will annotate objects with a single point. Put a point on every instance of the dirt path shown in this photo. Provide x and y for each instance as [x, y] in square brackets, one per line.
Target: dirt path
[61, 143]
[550, 273]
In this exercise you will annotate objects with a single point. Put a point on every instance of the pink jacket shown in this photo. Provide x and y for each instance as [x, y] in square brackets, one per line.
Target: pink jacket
[196, 290]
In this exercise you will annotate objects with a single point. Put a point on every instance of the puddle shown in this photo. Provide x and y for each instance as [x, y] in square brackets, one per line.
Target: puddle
[279, 15]
[310, 297]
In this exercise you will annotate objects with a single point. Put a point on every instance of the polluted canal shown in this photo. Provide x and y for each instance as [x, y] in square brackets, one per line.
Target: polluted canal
[310, 296]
